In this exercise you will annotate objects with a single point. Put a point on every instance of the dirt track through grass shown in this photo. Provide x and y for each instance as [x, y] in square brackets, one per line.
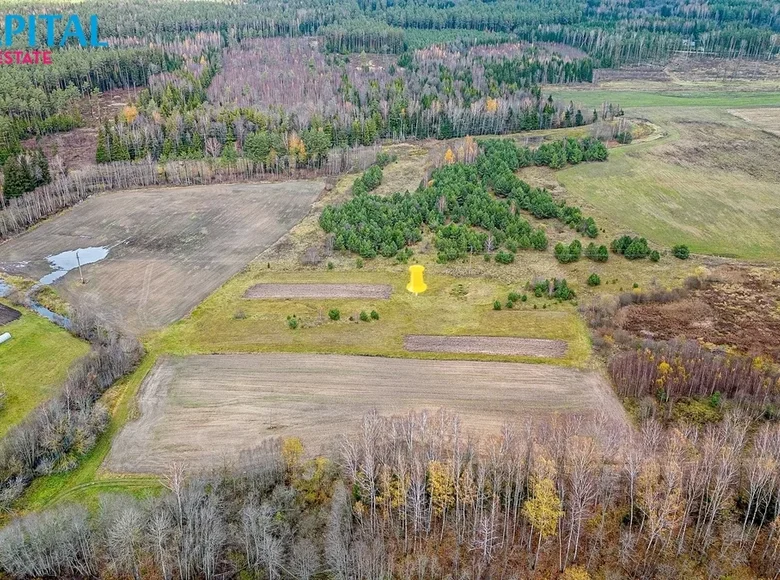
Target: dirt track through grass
[486, 345]
[170, 248]
[204, 410]
[323, 291]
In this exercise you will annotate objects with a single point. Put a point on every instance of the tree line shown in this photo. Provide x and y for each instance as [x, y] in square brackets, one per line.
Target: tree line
[420, 496]
[66, 190]
[671, 370]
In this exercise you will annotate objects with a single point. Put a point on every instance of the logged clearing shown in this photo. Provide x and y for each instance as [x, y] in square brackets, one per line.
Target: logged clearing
[203, 411]
[169, 248]
[486, 345]
[306, 291]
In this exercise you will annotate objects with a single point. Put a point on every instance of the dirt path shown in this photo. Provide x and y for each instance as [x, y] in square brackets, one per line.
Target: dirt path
[322, 291]
[205, 410]
[486, 345]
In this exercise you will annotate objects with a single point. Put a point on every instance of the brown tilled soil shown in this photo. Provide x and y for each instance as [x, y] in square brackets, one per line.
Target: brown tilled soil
[767, 118]
[203, 411]
[8, 314]
[305, 291]
[739, 310]
[486, 345]
[170, 248]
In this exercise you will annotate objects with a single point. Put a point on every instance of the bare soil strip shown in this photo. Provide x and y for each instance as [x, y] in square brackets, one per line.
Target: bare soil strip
[204, 411]
[8, 314]
[322, 291]
[486, 345]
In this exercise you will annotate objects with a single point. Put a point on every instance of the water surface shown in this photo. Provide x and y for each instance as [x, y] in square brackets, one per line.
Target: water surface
[67, 261]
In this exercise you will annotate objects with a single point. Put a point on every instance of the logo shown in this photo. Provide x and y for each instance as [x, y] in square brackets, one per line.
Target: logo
[27, 29]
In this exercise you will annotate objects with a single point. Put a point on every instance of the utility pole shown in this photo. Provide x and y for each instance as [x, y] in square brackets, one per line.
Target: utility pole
[81, 274]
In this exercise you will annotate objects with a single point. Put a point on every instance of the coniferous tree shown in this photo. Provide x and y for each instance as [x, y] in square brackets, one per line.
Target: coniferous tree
[43, 175]
[101, 155]
[14, 181]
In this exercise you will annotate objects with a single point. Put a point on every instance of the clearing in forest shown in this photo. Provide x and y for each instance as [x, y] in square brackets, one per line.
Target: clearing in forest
[168, 248]
[203, 411]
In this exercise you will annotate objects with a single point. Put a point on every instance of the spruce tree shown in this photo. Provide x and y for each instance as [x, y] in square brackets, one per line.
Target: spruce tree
[14, 180]
[44, 175]
[119, 151]
[102, 156]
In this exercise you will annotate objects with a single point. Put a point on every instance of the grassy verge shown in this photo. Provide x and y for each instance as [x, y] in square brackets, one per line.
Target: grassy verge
[85, 483]
[33, 364]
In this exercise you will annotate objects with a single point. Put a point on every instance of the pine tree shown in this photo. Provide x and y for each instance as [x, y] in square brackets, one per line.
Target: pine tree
[44, 175]
[14, 179]
[102, 156]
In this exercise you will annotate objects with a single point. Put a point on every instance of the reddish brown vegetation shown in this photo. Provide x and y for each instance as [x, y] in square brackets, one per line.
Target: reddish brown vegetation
[738, 308]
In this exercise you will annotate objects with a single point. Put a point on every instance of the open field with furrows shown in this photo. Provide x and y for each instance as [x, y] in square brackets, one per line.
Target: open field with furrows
[767, 118]
[202, 411]
[169, 248]
[711, 182]
[33, 364]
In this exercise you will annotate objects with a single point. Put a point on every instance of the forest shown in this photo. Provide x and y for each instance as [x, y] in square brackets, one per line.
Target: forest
[357, 71]
[419, 497]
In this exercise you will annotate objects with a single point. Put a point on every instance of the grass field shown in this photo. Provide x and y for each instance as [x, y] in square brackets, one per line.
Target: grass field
[710, 183]
[33, 364]
[238, 400]
[227, 322]
[170, 248]
[664, 97]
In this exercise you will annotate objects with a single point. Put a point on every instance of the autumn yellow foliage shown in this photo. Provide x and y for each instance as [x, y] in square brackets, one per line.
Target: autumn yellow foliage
[129, 113]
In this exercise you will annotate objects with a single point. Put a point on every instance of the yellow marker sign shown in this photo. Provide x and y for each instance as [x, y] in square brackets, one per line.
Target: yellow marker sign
[416, 283]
